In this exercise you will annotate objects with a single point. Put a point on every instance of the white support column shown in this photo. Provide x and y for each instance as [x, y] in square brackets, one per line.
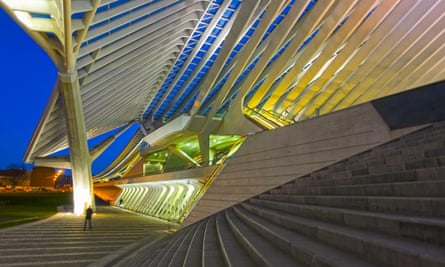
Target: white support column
[77, 139]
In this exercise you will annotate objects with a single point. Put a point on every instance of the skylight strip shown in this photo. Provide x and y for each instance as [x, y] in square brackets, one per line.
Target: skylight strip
[196, 35]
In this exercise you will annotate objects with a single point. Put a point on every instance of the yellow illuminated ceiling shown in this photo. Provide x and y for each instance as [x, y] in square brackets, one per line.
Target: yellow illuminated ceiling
[188, 150]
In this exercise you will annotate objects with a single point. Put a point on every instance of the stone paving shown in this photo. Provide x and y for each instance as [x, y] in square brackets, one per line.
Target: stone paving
[61, 240]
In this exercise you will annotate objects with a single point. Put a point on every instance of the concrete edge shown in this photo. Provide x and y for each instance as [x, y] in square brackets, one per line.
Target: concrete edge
[129, 251]
[25, 225]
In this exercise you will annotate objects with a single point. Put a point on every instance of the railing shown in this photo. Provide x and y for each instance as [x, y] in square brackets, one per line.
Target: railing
[209, 181]
[267, 119]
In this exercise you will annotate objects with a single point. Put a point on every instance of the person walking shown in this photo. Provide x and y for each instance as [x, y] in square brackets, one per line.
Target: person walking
[88, 215]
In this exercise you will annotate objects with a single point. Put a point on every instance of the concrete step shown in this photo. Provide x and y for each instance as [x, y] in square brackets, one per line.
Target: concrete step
[37, 244]
[377, 248]
[348, 178]
[211, 250]
[234, 254]
[310, 184]
[52, 258]
[423, 140]
[144, 255]
[415, 206]
[194, 245]
[308, 251]
[17, 251]
[429, 230]
[147, 256]
[407, 189]
[417, 150]
[171, 251]
[425, 136]
[169, 247]
[429, 162]
[390, 177]
[263, 252]
[61, 241]
[425, 149]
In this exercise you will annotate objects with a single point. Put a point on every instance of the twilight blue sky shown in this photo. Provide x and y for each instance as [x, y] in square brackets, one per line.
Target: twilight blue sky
[27, 80]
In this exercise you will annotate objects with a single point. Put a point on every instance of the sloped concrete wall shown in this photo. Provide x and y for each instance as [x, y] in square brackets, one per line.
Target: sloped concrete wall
[271, 158]
[108, 193]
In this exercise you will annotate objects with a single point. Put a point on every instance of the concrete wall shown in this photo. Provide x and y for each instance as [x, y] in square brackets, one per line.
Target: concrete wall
[108, 193]
[42, 177]
[137, 169]
[271, 158]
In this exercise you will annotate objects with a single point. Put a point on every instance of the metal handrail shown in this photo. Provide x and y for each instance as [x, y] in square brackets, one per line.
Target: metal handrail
[208, 182]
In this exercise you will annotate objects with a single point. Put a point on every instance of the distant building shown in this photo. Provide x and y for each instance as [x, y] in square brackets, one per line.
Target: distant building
[64, 182]
[42, 177]
[12, 177]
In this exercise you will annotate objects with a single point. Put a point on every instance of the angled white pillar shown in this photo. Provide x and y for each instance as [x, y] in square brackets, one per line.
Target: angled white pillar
[77, 139]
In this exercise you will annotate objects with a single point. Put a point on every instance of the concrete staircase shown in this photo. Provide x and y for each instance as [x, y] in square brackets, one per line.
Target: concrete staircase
[61, 240]
[384, 207]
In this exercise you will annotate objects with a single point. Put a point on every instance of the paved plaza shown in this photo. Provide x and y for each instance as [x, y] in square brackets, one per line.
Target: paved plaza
[62, 241]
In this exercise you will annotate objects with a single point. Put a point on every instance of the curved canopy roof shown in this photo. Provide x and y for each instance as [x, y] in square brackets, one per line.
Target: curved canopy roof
[275, 62]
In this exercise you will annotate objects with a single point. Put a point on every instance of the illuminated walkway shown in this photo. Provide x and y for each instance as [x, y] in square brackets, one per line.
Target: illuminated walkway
[61, 241]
